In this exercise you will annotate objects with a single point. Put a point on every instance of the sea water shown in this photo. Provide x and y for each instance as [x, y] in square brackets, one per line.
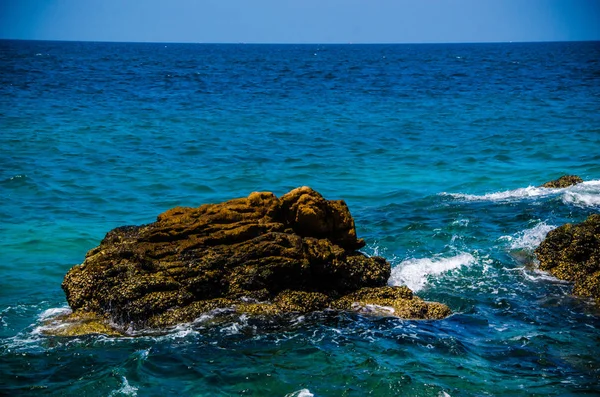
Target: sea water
[437, 149]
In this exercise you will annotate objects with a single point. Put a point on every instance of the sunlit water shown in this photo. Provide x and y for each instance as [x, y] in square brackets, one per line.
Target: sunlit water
[437, 149]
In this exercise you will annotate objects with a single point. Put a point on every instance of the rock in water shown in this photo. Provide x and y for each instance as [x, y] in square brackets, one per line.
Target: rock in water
[572, 252]
[260, 254]
[563, 181]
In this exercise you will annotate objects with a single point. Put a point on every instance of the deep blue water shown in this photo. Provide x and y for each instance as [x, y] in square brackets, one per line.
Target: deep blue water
[437, 150]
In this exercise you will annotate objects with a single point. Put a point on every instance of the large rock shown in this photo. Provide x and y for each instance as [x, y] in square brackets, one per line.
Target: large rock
[563, 181]
[260, 254]
[572, 252]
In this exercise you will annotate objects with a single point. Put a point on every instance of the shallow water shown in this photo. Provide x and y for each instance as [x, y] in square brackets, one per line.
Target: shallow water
[437, 150]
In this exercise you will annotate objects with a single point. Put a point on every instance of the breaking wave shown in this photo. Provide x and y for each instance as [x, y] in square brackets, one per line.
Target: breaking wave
[529, 238]
[586, 194]
[415, 272]
[507, 195]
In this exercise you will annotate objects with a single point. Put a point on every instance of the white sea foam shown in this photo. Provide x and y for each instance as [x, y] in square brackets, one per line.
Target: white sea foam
[529, 238]
[584, 194]
[300, 393]
[593, 184]
[526, 192]
[142, 354]
[48, 322]
[582, 199]
[461, 222]
[539, 275]
[414, 273]
[53, 312]
[238, 327]
[125, 390]
[183, 330]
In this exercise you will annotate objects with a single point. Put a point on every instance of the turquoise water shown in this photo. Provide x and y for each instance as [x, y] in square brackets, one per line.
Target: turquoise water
[437, 150]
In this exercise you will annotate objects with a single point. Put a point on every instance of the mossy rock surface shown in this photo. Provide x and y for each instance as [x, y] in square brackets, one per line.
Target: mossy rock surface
[260, 255]
[79, 323]
[572, 252]
[391, 301]
[563, 181]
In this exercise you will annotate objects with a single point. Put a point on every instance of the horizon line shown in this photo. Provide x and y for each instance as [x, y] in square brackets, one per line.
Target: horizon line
[301, 43]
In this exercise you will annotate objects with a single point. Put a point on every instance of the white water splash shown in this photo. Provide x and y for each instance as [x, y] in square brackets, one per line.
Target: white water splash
[125, 390]
[530, 191]
[414, 273]
[585, 194]
[49, 323]
[239, 326]
[529, 238]
[300, 393]
[53, 312]
[537, 275]
[142, 354]
[461, 222]
[582, 199]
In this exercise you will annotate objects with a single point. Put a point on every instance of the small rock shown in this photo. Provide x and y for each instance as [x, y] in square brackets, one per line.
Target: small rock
[563, 181]
[572, 252]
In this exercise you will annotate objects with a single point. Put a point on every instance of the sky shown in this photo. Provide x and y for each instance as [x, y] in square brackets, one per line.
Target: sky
[301, 21]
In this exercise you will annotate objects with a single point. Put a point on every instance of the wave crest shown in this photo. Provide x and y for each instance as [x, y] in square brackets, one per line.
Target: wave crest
[415, 272]
[529, 239]
[585, 194]
[520, 193]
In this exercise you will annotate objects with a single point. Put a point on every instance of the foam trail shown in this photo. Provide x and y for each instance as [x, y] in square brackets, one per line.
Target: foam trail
[539, 275]
[300, 393]
[125, 390]
[414, 272]
[584, 194]
[529, 238]
[527, 192]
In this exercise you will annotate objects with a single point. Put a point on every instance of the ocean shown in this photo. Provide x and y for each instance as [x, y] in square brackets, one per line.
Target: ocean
[437, 149]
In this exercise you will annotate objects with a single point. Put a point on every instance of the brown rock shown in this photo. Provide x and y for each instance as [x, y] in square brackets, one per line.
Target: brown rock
[392, 301]
[75, 324]
[563, 181]
[259, 254]
[572, 252]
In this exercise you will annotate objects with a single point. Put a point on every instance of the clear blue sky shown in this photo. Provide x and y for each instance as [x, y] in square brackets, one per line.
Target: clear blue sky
[301, 21]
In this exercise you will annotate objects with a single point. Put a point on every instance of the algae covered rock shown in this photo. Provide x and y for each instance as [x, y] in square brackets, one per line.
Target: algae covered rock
[572, 252]
[80, 323]
[563, 181]
[393, 301]
[260, 255]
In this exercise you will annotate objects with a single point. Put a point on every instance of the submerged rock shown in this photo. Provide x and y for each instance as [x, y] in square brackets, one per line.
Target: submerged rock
[563, 181]
[572, 252]
[396, 301]
[259, 255]
[82, 323]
